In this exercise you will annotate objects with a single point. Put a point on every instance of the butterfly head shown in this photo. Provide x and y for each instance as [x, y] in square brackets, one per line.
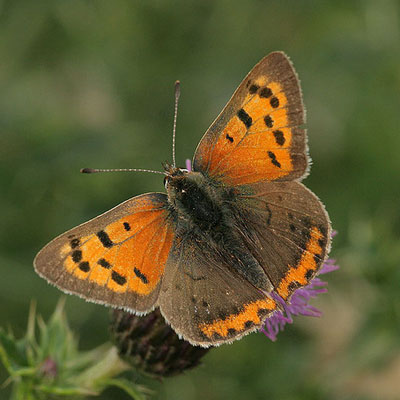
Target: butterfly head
[182, 185]
[173, 174]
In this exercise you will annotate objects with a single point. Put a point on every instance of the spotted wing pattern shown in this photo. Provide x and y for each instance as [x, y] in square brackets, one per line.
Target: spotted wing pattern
[258, 136]
[117, 258]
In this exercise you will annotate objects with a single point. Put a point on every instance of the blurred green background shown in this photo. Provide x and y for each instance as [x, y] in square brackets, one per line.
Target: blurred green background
[90, 84]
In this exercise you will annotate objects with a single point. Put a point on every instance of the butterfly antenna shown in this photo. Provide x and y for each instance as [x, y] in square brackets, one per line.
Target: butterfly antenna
[177, 94]
[95, 170]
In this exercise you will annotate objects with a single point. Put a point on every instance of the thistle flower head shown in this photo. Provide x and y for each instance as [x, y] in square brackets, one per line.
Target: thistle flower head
[152, 346]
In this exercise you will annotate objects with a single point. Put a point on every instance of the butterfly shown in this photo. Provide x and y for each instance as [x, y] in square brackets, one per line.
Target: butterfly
[227, 234]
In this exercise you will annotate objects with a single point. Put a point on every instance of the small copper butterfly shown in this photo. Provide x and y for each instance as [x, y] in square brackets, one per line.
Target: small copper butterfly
[227, 233]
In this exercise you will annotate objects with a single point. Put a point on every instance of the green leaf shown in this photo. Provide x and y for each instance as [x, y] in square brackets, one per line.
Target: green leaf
[30, 339]
[10, 354]
[86, 358]
[100, 370]
[23, 391]
[137, 392]
[66, 390]
[29, 371]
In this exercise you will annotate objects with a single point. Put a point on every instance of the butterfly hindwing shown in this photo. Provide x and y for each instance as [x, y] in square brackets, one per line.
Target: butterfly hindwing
[205, 299]
[117, 258]
[286, 228]
[259, 134]
[206, 294]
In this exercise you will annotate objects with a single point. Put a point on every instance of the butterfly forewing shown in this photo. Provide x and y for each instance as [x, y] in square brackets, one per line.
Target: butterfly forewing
[258, 136]
[117, 258]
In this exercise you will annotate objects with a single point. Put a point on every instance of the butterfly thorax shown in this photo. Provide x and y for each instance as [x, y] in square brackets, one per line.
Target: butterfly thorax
[196, 200]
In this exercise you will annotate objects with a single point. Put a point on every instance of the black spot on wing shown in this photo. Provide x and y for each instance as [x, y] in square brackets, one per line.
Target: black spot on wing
[309, 274]
[317, 259]
[253, 89]
[104, 263]
[74, 243]
[84, 266]
[268, 121]
[248, 324]
[127, 227]
[266, 92]
[262, 312]
[117, 278]
[76, 256]
[274, 102]
[279, 137]
[104, 239]
[140, 275]
[293, 285]
[245, 118]
[230, 138]
[274, 161]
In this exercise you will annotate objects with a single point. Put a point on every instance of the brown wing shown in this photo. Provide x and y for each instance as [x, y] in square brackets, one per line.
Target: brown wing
[117, 258]
[258, 136]
[286, 228]
[203, 297]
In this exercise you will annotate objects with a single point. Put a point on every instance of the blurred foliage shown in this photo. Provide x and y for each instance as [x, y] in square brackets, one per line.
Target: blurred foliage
[46, 363]
[90, 84]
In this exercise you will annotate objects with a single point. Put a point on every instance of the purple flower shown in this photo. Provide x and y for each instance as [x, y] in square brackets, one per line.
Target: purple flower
[49, 368]
[299, 303]
[188, 165]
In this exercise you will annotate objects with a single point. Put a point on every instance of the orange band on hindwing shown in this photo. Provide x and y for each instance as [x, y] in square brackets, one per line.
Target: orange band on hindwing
[252, 314]
[301, 274]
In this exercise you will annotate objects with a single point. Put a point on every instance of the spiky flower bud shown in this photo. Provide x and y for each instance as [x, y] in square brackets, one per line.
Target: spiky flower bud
[151, 346]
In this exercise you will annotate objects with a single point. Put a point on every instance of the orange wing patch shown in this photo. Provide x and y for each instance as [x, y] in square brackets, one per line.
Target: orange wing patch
[258, 137]
[256, 142]
[301, 274]
[127, 255]
[238, 322]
